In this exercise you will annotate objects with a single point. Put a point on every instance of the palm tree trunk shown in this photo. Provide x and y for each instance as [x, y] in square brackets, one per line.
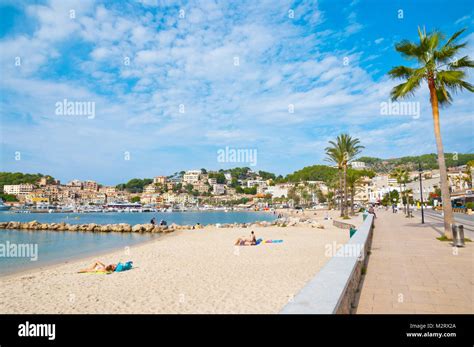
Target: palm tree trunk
[401, 195]
[340, 194]
[445, 196]
[345, 190]
[352, 201]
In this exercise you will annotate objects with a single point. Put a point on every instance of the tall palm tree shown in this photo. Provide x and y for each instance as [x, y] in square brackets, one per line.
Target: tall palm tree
[438, 66]
[342, 151]
[336, 156]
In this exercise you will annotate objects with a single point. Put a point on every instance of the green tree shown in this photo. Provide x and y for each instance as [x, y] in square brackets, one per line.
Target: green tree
[134, 199]
[438, 67]
[341, 152]
[389, 198]
[355, 179]
[401, 175]
[8, 197]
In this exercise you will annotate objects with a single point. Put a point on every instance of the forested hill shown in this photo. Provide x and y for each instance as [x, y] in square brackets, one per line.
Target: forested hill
[428, 161]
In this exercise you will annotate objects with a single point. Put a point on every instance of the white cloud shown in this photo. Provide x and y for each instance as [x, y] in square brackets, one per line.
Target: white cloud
[192, 62]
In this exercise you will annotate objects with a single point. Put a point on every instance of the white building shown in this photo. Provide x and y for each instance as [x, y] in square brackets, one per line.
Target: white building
[218, 189]
[277, 191]
[183, 198]
[150, 189]
[75, 184]
[258, 183]
[212, 181]
[358, 165]
[191, 177]
[18, 189]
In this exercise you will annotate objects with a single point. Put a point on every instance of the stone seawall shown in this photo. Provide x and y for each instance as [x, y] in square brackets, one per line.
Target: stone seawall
[333, 290]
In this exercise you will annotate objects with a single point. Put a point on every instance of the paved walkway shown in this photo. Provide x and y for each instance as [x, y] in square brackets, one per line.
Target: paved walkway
[409, 271]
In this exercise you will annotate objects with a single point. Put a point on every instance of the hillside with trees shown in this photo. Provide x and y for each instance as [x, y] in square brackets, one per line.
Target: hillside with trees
[428, 161]
[7, 178]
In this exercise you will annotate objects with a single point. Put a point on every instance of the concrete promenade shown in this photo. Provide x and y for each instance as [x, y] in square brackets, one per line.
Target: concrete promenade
[410, 271]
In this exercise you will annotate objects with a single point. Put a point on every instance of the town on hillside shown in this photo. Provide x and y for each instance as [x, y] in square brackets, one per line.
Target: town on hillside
[240, 188]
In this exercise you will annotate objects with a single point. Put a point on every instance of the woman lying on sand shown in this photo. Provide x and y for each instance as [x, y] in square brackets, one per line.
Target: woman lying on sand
[99, 267]
[242, 241]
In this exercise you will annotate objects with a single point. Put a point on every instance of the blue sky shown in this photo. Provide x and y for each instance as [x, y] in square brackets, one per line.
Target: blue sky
[234, 67]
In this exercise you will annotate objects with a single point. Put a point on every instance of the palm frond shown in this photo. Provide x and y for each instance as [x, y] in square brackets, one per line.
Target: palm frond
[401, 72]
[409, 50]
[461, 63]
[454, 37]
[447, 52]
[453, 80]
[433, 40]
[407, 88]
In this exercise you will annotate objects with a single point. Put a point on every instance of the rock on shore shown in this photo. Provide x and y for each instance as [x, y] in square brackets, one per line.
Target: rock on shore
[150, 228]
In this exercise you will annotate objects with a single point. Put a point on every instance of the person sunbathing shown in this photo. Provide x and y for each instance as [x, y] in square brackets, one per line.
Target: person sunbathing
[99, 267]
[251, 241]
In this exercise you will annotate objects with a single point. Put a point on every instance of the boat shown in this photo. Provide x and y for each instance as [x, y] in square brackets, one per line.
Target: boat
[4, 207]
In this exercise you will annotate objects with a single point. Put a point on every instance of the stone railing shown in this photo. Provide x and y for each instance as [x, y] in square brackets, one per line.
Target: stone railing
[333, 289]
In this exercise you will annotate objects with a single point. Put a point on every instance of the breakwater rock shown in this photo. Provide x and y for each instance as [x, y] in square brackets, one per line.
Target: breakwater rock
[150, 228]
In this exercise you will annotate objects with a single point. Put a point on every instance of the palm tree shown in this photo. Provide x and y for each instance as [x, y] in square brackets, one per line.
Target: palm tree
[438, 66]
[332, 184]
[336, 156]
[401, 175]
[342, 152]
[354, 181]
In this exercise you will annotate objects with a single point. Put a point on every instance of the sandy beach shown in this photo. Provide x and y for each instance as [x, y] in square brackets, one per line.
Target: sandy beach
[189, 271]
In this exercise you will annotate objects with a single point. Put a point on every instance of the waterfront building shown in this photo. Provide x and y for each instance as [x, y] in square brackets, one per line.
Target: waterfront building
[18, 189]
[277, 191]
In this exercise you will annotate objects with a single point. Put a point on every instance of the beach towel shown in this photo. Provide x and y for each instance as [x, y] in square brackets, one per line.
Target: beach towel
[259, 241]
[98, 272]
[124, 267]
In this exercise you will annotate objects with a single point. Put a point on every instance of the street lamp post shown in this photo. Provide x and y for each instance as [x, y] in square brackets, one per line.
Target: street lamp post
[420, 171]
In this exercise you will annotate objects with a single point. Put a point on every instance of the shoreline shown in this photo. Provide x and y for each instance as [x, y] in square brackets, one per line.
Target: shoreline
[286, 214]
[53, 263]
